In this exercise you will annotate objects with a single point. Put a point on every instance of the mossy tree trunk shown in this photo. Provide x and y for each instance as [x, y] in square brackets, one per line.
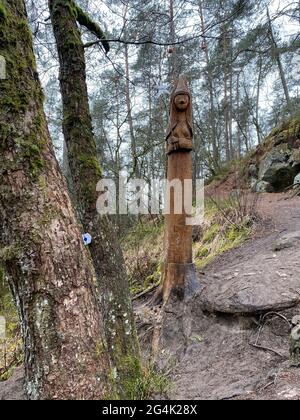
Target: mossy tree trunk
[85, 170]
[41, 247]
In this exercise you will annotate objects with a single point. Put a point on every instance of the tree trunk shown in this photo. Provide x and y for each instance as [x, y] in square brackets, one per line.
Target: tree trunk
[239, 140]
[226, 99]
[173, 59]
[212, 118]
[259, 79]
[278, 60]
[230, 69]
[41, 247]
[129, 116]
[85, 169]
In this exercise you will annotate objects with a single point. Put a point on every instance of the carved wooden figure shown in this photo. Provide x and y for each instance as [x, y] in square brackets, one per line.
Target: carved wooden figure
[178, 271]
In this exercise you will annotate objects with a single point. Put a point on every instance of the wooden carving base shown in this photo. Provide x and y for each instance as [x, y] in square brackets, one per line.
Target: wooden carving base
[180, 280]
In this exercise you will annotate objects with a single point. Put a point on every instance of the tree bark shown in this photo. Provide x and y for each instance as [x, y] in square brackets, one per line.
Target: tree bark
[85, 168]
[278, 60]
[174, 58]
[216, 157]
[41, 247]
[259, 80]
[129, 115]
[239, 140]
[226, 99]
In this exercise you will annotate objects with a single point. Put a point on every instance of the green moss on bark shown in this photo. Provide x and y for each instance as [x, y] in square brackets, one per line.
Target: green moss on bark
[19, 93]
[84, 20]
[10, 253]
[3, 12]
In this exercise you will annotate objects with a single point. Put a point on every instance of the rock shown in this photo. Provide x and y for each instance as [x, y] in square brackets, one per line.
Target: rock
[277, 168]
[248, 295]
[295, 157]
[287, 241]
[253, 183]
[253, 171]
[297, 180]
[277, 160]
[296, 320]
[295, 346]
[263, 187]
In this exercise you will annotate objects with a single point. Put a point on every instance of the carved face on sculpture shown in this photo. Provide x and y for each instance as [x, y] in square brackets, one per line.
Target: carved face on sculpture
[182, 102]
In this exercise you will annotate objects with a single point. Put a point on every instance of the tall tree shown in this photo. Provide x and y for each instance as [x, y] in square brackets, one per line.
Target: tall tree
[41, 247]
[85, 170]
[212, 113]
[277, 57]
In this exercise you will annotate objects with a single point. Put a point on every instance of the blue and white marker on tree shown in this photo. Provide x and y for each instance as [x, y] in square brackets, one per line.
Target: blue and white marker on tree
[87, 239]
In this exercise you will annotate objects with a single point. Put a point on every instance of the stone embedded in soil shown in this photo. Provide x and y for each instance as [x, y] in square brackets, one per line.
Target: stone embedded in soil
[229, 298]
[272, 286]
[287, 241]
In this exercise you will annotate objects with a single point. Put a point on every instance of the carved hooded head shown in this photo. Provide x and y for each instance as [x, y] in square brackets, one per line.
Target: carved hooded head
[181, 101]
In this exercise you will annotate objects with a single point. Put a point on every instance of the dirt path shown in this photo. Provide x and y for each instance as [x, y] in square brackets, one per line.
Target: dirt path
[219, 361]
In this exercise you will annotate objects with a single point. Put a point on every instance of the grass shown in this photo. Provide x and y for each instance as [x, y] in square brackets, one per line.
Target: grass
[228, 223]
[151, 384]
[142, 245]
[11, 346]
[147, 385]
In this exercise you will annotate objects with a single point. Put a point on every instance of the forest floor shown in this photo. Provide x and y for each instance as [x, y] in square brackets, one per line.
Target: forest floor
[236, 347]
[207, 345]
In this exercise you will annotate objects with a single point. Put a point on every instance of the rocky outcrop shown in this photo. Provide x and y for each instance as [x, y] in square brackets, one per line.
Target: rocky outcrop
[275, 165]
[297, 180]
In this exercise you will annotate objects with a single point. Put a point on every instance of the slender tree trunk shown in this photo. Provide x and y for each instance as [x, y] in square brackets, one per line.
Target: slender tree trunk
[230, 103]
[226, 99]
[105, 250]
[216, 156]
[129, 114]
[257, 125]
[225, 48]
[133, 149]
[174, 62]
[41, 247]
[278, 60]
[239, 140]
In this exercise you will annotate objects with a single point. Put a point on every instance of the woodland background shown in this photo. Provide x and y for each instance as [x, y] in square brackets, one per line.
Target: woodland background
[242, 61]
[241, 57]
